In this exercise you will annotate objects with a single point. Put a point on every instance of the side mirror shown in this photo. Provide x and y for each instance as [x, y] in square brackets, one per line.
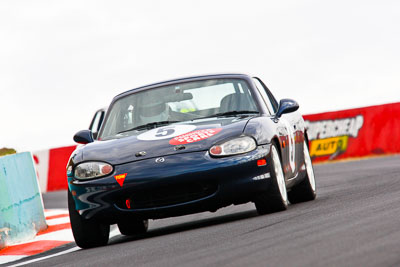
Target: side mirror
[83, 137]
[286, 106]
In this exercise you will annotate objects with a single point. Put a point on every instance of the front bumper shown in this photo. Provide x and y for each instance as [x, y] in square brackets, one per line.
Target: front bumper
[182, 184]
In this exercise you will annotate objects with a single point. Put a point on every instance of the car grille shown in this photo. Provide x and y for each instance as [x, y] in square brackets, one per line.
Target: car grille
[169, 195]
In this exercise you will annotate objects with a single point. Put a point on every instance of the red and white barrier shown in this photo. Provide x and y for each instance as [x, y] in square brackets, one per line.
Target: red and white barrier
[359, 132]
[51, 168]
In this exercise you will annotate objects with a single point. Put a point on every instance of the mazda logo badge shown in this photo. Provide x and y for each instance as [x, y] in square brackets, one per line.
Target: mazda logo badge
[160, 160]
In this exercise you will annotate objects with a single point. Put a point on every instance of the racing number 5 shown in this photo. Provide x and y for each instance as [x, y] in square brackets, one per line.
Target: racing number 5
[165, 131]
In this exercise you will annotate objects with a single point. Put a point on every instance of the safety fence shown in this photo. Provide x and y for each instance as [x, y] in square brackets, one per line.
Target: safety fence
[336, 135]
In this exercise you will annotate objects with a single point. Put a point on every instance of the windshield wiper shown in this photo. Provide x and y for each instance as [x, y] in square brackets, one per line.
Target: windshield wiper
[230, 113]
[150, 125]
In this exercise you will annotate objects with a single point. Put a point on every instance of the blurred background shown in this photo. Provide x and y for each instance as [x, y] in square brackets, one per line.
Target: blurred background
[60, 61]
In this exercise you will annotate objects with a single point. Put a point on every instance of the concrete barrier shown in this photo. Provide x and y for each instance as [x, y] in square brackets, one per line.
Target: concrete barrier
[21, 205]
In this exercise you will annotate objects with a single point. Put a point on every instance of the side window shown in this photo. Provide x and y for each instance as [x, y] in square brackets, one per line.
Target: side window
[264, 95]
[96, 121]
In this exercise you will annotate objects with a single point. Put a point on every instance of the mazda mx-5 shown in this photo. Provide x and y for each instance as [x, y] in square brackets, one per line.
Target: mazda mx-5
[185, 146]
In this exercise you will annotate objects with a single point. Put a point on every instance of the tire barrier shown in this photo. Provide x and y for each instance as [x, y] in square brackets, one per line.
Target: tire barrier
[354, 133]
[21, 206]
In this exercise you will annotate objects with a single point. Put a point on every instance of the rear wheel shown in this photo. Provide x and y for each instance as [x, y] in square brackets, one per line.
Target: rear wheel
[133, 227]
[87, 233]
[306, 190]
[275, 199]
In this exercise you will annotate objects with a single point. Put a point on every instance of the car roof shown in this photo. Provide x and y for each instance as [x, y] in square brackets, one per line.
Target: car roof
[187, 79]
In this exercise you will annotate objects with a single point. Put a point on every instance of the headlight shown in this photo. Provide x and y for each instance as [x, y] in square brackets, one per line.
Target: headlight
[88, 170]
[233, 147]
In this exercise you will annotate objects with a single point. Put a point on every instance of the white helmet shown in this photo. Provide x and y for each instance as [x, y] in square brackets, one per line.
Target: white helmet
[153, 110]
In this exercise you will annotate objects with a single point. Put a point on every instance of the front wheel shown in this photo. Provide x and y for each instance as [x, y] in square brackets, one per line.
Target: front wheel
[306, 190]
[275, 199]
[87, 233]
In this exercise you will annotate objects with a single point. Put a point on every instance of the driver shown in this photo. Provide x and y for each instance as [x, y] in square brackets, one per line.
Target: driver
[153, 111]
[152, 107]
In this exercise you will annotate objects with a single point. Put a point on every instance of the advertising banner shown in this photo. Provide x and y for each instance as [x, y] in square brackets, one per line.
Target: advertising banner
[351, 133]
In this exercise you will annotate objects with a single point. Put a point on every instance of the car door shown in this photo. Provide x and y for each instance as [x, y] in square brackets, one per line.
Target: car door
[291, 125]
[286, 127]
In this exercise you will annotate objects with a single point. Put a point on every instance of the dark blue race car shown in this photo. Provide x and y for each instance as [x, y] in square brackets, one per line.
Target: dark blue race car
[185, 146]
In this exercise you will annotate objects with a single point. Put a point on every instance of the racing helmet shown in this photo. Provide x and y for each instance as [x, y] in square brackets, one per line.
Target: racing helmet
[152, 110]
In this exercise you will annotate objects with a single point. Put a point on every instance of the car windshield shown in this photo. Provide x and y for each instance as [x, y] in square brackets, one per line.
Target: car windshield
[177, 103]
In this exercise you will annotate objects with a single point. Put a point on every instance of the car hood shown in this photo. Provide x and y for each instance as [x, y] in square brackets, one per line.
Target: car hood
[184, 137]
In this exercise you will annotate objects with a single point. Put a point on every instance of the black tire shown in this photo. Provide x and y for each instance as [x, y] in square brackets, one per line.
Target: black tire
[87, 233]
[306, 190]
[133, 227]
[275, 199]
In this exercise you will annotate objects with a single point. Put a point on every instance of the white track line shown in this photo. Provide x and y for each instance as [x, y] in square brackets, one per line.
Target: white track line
[10, 258]
[113, 233]
[47, 257]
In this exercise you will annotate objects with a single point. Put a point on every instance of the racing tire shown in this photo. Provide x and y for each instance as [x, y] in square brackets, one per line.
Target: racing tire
[133, 227]
[275, 198]
[305, 190]
[87, 233]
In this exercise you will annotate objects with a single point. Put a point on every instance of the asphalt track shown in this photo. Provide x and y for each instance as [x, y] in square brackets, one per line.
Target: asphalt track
[355, 221]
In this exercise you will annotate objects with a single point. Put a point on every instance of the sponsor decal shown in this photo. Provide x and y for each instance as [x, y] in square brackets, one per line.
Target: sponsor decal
[120, 178]
[165, 132]
[262, 177]
[194, 136]
[331, 137]
[291, 143]
[328, 146]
